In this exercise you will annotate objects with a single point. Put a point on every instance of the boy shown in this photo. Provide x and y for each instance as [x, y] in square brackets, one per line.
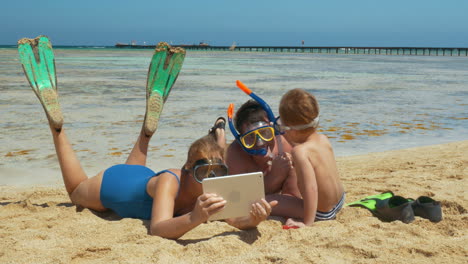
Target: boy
[313, 159]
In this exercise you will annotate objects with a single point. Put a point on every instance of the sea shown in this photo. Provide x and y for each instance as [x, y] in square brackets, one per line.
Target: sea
[368, 103]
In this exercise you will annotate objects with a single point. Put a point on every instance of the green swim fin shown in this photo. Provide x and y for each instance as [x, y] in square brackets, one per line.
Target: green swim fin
[387, 207]
[370, 202]
[38, 61]
[163, 71]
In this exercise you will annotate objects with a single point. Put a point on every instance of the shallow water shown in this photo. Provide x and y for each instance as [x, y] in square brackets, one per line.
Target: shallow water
[368, 103]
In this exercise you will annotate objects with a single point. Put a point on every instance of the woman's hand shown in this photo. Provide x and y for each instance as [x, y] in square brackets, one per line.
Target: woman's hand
[206, 205]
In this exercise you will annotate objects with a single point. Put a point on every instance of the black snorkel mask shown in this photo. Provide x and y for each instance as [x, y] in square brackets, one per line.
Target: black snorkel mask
[271, 117]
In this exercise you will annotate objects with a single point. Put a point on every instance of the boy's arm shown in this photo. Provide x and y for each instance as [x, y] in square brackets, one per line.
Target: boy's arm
[307, 183]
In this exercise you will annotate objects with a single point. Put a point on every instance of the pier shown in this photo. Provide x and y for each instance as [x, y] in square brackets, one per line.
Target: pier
[412, 51]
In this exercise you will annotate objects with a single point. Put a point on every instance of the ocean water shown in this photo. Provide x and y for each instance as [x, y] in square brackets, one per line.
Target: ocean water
[368, 103]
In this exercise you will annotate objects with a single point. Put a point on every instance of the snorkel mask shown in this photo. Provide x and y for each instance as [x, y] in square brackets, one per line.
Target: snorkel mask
[207, 168]
[241, 138]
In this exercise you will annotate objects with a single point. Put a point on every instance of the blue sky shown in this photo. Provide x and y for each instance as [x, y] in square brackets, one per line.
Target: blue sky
[441, 23]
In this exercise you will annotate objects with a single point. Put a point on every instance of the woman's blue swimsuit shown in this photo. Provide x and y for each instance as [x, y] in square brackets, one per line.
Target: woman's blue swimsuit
[123, 190]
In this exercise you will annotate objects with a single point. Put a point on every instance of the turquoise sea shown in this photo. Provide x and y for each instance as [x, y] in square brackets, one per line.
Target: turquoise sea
[369, 103]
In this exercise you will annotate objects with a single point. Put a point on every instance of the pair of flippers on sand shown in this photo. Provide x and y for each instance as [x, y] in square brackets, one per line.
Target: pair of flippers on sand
[37, 58]
[389, 207]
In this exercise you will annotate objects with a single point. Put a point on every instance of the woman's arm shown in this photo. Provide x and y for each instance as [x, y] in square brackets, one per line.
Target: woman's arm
[175, 227]
[163, 222]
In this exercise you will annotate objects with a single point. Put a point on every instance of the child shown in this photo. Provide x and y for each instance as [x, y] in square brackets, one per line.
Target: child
[172, 199]
[313, 159]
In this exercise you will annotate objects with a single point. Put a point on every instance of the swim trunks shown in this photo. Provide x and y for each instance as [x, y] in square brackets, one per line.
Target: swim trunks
[330, 215]
[123, 190]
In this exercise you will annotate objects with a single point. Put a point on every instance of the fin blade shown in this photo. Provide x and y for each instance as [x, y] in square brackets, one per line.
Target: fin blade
[38, 62]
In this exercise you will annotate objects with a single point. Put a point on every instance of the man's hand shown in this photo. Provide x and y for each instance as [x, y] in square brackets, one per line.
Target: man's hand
[282, 163]
[260, 211]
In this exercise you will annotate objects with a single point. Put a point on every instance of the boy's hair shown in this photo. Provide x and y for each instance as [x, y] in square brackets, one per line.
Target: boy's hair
[250, 112]
[205, 147]
[298, 107]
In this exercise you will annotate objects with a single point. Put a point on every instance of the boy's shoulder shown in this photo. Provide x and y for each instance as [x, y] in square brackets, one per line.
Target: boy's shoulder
[319, 144]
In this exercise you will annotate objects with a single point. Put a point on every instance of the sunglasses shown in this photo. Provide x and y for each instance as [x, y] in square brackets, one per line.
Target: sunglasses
[205, 168]
[282, 128]
[249, 139]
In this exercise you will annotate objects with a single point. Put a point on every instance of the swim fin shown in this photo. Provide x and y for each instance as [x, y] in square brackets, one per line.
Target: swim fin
[369, 202]
[387, 207]
[428, 208]
[394, 208]
[162, 74]
[38, 61]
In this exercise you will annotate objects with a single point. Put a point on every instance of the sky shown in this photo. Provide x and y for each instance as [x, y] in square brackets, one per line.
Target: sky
[404, 23]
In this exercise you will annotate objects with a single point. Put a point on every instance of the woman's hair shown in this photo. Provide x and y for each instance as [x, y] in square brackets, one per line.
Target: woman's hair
[298, 107]
[205, 147]
[250, 112]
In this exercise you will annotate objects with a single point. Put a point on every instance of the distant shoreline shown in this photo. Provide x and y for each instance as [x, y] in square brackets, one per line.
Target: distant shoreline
[2, 46]
[358, 50]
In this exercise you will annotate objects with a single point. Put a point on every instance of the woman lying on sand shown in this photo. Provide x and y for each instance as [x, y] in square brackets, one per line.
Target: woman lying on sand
[173, 199]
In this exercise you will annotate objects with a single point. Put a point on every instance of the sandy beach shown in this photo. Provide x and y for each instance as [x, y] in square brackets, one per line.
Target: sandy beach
[40, 225]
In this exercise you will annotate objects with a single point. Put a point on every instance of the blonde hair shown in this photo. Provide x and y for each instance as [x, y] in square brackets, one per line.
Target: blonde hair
[298, 107]
[205, 147]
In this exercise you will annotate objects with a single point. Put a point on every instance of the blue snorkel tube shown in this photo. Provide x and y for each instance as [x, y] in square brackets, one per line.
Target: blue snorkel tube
[266, 108]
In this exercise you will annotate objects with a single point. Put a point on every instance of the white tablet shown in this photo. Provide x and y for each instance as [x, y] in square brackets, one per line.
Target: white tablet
[240, 191]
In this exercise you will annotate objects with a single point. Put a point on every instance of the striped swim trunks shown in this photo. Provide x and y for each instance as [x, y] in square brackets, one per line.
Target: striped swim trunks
[330, 215]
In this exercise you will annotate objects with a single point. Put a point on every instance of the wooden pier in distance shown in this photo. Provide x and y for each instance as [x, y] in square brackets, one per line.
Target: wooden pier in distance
[415, 51]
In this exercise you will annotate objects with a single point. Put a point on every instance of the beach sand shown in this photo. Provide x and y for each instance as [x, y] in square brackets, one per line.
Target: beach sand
[40, 225]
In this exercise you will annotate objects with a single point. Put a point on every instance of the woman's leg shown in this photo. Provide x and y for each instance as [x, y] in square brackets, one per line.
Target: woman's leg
[37, 58]
[140, 150]
[162, 73]
[72, 172]
[218, 131]
[82, 191]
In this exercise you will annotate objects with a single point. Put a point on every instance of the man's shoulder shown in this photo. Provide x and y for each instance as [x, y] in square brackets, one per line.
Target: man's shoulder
[234, 147]
[235, 151]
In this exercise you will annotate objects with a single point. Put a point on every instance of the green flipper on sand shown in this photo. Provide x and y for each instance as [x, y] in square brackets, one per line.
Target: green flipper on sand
[37, 59]
[387, 207]
[370, 202]
[162, 74]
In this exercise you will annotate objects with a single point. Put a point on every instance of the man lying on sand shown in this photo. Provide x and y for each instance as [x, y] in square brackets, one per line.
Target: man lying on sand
[172, 199]
[299, 166]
